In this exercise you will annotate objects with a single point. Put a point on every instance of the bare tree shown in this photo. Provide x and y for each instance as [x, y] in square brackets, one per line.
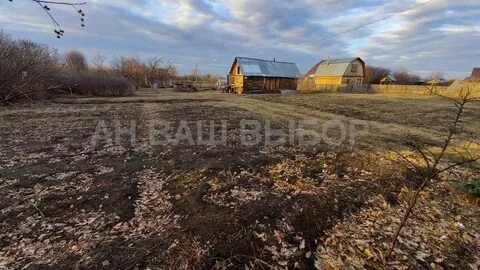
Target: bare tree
[155, 70]
[373, 75]
[98, 61]
[433, 164]
[75, 61]
[45, 5]
[403, 76]
[160, 70]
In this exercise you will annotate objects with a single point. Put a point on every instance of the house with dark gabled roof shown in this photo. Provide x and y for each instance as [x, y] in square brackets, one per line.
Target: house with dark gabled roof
[338, 71]
[250, 75]
[475, 75]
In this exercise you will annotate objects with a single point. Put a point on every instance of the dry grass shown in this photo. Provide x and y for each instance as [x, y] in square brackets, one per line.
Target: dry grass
[390, 119]
[181, 206]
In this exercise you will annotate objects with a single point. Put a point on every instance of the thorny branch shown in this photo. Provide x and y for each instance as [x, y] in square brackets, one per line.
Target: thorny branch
[432, 161]
[59, 31]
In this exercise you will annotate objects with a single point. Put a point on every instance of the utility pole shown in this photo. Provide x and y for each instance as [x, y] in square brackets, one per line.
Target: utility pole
[196, 72]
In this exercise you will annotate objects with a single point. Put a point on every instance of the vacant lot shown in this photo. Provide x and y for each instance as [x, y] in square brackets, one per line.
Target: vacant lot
[122, 204]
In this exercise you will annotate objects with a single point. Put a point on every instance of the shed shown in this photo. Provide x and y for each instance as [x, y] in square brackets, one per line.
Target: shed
[388, 80]
[250, 75]
[338, 71]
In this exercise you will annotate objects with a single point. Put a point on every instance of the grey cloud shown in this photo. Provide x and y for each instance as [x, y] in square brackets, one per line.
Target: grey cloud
[212, 32]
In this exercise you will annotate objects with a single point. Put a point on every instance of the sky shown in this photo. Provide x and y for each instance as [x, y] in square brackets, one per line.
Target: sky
[431, 36]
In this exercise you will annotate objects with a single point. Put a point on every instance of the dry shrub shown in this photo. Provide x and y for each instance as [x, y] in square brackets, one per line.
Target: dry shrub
[26, 68]
[145, 74]
[97, 84]
[75, 61]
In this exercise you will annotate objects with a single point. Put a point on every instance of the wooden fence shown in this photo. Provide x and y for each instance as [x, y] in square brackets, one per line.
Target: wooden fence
[416, 90]
[308, 86]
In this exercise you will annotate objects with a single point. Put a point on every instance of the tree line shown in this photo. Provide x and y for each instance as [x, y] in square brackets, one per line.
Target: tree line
[31, 70]
[375, 74]
[151, 72]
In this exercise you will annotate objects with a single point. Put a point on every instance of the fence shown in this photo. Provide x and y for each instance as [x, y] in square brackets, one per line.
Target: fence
[456, 89]
[309, 86]
[416, 90]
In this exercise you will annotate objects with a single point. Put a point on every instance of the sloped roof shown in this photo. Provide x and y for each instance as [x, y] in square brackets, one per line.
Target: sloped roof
[389, 78]
[266, 68]
[475, 74]
[436, 81]
[332, 67]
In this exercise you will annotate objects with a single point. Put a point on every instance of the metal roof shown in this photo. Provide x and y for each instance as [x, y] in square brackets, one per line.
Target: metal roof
[389, 78]
[266, 68]
[339, 61]
[332, 67]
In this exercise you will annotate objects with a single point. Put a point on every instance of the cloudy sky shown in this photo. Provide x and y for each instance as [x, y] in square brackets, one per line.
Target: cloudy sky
[433, 36]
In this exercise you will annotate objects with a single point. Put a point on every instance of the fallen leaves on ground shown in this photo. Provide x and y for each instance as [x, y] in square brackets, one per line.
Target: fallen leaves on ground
[440, 223]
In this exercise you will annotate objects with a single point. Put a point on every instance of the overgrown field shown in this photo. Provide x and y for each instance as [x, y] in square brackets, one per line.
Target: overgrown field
[66, 203]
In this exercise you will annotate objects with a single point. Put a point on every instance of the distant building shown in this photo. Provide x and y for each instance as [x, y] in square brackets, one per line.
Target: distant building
[475, 75]
[249, 75]
[338, 71]
[388, 80]
[436, 82]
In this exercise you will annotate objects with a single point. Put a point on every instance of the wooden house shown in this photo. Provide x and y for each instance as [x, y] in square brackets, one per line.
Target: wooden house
[249, 75]
[338, 71]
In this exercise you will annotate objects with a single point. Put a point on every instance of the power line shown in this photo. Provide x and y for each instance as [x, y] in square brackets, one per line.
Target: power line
[377, 20]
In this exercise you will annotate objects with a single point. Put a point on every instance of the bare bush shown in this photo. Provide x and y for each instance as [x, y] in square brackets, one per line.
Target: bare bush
[26, 68]
[429, 164]
[97, 84]
[159, 71]
[75, 61]
[154, 71]
[130, 68]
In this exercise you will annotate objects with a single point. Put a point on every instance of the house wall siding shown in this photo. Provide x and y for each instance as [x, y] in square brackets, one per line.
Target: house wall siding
[328, 80]
[236, 78]
[269, 84]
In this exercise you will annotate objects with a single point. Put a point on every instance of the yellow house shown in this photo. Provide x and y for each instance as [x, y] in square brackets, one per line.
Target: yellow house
[338, 71]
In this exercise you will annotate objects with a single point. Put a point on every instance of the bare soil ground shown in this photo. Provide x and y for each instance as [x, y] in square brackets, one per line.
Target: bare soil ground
[66, 204]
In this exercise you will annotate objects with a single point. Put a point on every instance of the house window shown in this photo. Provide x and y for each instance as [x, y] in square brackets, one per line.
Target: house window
[238, 69]
[354, 68]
